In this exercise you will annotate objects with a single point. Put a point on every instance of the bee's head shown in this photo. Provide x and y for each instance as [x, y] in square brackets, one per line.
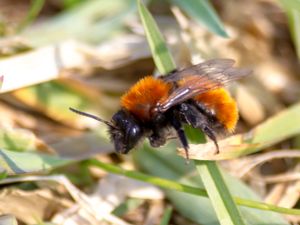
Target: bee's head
[125, 132]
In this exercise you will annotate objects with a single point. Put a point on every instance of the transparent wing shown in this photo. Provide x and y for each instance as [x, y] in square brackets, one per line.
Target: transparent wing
[207, 68]
[200, 78]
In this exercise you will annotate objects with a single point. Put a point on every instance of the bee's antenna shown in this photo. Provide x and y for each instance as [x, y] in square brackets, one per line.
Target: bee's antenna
[93, 117]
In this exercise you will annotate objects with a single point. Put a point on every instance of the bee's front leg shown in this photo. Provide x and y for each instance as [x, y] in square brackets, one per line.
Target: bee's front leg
[157, 139]
[175, 121]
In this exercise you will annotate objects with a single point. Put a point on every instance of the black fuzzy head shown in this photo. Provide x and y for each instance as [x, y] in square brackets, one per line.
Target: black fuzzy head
[125, 132]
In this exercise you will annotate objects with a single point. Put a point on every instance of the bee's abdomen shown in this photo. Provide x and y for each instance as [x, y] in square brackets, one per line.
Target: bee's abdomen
[144, 95]
[224, 106]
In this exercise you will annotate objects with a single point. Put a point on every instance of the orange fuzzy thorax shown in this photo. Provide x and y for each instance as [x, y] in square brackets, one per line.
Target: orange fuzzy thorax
[144, 95]
[223, 105]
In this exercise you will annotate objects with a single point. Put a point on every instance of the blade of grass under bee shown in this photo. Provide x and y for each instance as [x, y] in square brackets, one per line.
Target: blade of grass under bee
[164, 62]
[27, 162]
[292, 8]
[203, 13]
[35, 8]
[197, 208]
[161, 55]
[218, 193]
[176, 186]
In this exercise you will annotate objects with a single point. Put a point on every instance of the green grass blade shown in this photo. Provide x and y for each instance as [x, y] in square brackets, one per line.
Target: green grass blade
[292, 8]
[164, 63]
[127, 206]
[3, 175]
[18, 140]
[164, 163]
[203, 13]
[95, 21]
[161, 55]
[51, 97]
[36, 7]
[176, 186]
[166, 216]
[194, 135]
[218, 193]
[14, 163]
[70, 3]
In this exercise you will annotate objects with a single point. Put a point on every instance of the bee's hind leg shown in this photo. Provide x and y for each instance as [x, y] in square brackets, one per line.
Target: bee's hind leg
[211, 134]
[198, 120]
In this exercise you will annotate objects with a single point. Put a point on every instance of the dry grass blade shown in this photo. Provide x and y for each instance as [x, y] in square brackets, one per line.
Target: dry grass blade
[1, 81]
[291, 195]
[281, 178]
[250, 162]
[8, 220]
[23, 203]
[229, 148]
[81, 198]
[40, 65]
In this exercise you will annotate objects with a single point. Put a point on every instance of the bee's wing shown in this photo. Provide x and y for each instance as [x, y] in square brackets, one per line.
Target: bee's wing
[200, 78]
[212, 66]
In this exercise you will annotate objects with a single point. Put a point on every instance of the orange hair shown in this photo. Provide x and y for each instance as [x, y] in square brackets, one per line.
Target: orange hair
[224, 106]
[144, 95]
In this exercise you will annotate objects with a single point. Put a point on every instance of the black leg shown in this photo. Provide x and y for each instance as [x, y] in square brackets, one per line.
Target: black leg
[211, 134]
[205, 111]
[175, 122]
[157, 138]
[212, 119]
[198, 120]
[193, 116]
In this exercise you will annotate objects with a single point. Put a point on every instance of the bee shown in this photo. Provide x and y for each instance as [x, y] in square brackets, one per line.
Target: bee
[194, 96]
